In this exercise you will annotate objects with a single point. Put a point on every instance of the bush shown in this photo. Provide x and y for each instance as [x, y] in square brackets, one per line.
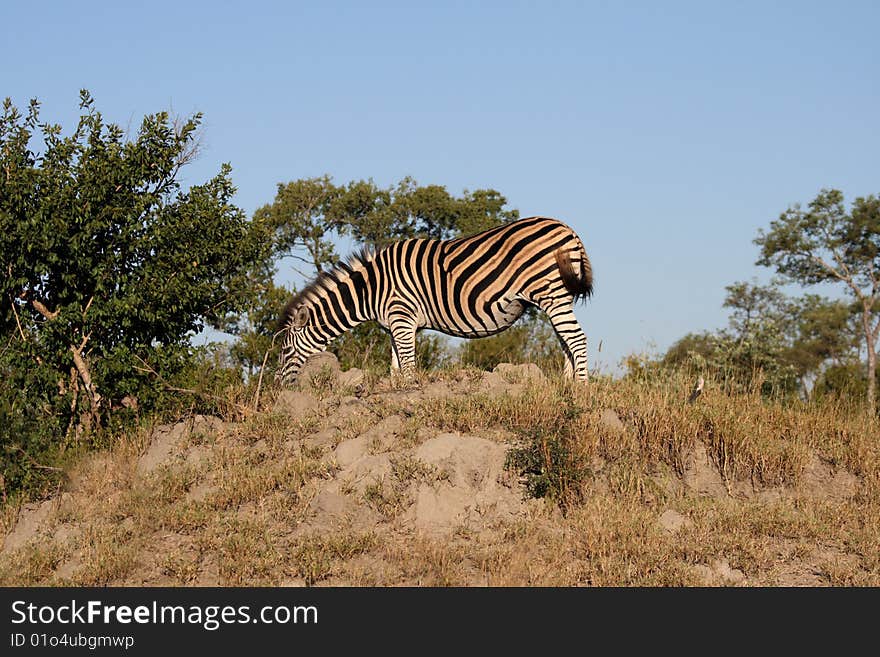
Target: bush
[109, 269]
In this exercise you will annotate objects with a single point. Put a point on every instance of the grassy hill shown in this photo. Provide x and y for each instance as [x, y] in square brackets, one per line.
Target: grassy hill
[465, 477]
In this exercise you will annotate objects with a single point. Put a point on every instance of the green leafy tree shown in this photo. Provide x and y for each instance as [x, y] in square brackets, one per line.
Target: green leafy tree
[692, 347]
[256, 328]
[822, 335]
[825, 243]
[758, 337]
[303, 227]
[844, 381]
[785, 341]
[109, 267]
[751, 303]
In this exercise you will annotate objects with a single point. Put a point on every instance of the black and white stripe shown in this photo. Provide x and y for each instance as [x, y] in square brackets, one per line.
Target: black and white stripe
[468, 287]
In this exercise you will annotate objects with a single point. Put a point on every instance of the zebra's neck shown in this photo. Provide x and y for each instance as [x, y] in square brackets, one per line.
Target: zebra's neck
[342, 299]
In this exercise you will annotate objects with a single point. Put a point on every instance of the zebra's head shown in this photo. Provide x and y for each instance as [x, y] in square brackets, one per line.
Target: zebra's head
[300, 341]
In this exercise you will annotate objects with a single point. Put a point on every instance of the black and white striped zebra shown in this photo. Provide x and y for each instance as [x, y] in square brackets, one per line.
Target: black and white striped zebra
[468, 287]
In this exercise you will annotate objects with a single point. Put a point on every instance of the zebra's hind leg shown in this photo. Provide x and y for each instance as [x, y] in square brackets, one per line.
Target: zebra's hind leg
[571, 337]
[568, 370]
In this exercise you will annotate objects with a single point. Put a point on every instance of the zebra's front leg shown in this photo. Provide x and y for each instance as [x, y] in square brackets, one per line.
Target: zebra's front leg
[403, 347]
[571, 337]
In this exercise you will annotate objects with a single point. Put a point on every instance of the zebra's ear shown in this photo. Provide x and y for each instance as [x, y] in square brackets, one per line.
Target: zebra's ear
[301, 318]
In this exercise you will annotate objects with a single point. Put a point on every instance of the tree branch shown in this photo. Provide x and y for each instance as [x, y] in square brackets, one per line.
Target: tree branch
[79, 360]
[88, 305]
[33, 462]
[846, 279]
[83, 369]
[148, 369]
[18, 322]
[45, 312]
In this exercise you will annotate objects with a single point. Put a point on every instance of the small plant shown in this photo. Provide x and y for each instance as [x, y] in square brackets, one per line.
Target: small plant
[407, 468]
[386, 498]
[323, 381]
[550, 461]
[313, 558]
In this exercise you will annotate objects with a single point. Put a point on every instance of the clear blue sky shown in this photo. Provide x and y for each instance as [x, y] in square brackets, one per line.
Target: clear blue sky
[665, 133]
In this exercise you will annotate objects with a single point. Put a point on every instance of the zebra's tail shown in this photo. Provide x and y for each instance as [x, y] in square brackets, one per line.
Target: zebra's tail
[577, 276]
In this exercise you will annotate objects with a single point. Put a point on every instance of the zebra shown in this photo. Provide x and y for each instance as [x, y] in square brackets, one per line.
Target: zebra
[467, 287]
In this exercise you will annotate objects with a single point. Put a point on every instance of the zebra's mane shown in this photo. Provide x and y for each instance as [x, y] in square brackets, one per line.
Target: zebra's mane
[323, 280]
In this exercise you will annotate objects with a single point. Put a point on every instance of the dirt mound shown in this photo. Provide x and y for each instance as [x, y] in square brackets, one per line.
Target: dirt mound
[32, 519]
[336, 484]
[168, 439]
[469, 486]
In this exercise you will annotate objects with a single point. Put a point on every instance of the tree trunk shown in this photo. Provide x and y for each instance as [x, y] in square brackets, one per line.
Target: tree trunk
[870, 344]
[872, 378]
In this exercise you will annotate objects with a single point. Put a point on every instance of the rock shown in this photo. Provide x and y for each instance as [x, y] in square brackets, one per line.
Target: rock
[295, 582]
[398, 396]
[209, 571]
[322, 438]
[368, 470]
[349, 407]
[820, 479]
[331, 509]
[31, 518]
[319, 371]
[470, 486]
[440, 509]
[381, 436]
[771, 495]
[672, 521]
[491, 380]
[516, 389]
[295, 403]
[423, 434]
[200, 492]
[68, 569]
[666, 482]
[169, 439]
[66, 533]
[466, 459]
[349, 451]
[701, 476]
[328, 503]
[720, 572]
[198, 456]
[166, 438]
[525, 373]
[437, 390]
[351, 378]
[494, 385]
[611, 421]
[202, 425]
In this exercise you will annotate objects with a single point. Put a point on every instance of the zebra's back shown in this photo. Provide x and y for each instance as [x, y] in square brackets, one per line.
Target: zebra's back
[480, 284]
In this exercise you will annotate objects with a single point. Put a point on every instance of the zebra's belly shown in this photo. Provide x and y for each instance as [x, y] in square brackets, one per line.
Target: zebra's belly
[474, 324]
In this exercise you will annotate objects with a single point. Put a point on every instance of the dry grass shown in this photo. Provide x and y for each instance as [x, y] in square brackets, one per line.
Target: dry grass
[747, 437]
[231, 517]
